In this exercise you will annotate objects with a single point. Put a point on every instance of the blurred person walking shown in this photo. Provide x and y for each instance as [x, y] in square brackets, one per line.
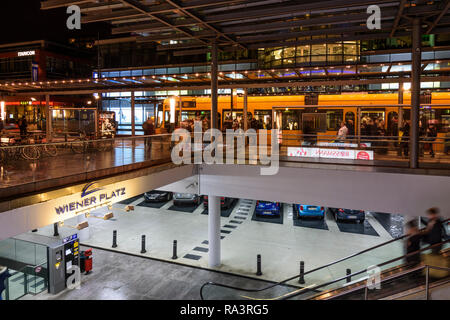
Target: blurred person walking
[412, 243]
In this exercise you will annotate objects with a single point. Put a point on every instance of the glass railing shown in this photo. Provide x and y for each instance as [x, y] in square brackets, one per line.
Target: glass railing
[331, 276]
[31, 279]
[76, 155]
[23, 252]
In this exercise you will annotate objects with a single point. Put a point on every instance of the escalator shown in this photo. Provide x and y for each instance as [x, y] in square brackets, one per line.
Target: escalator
[336, 280]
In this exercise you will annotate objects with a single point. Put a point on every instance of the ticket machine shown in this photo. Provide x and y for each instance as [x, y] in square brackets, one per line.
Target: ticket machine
[61, 257]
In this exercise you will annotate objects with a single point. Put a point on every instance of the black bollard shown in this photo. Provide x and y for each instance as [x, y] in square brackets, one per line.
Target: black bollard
[258, 265]
[174, 256]
[349, 279]
[143, 245]
[114, 245]
[301, 279]
[55, 229]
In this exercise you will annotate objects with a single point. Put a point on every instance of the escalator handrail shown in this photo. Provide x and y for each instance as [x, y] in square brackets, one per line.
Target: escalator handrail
[307, 272]
[365, 270]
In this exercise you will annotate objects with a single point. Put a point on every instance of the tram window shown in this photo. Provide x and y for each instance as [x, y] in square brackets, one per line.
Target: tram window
[264, 117]
[315, 122]
[350, 116]
[373, 114]
[290, 119]
[391, 119]
[334, 118]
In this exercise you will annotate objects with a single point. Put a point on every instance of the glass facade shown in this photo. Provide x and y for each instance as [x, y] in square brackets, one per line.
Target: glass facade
[332, 53]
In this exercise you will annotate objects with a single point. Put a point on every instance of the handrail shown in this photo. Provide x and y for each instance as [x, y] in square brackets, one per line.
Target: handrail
[364, 270]
[307, 272]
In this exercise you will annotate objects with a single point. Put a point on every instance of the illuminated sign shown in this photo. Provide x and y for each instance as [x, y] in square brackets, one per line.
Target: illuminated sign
[330, 153]
[70, 238]
[26, 53]
[86, 203]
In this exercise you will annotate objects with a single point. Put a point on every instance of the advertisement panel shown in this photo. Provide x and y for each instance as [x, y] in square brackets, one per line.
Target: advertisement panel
[107, 123]
[330, 153]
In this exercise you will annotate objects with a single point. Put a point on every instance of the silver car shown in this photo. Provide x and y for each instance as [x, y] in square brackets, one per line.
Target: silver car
[186, 199]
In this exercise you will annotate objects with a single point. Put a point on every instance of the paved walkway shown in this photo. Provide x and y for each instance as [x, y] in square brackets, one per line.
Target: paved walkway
[118, 276]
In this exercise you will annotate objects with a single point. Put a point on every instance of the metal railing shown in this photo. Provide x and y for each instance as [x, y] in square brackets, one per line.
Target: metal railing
[284, 282]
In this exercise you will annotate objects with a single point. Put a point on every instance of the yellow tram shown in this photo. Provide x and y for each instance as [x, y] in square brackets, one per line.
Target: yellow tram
[289, 113]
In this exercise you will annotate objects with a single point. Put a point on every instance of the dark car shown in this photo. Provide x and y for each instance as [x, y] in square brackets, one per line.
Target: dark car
[157, 196]
[341, 214]
[186, 199]
[225, 202]
[267, 208]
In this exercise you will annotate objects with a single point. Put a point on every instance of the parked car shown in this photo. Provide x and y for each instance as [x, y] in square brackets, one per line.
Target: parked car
[186, 199]
[306, 211]
[341, 214]
[158, 196]
[225, 202]
[267, 208]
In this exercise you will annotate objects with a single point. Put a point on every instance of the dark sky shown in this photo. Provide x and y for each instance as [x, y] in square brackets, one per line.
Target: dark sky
[23, 20]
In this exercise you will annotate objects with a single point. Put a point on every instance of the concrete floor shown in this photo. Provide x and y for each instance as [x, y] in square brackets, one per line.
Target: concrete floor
[282, 246]
[118, 276]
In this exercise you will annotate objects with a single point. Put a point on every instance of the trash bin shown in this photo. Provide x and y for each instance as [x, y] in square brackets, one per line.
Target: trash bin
[86, 261]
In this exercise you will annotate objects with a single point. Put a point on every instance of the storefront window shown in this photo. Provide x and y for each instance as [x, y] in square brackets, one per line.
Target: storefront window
[318, 52]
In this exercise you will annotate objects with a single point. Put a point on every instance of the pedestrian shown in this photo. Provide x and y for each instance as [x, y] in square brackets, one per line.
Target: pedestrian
[412, 243]
[431, 136]
[342, 133]
[405, 138]
[351, 128]
[434, 231]
[23, 127]
[149, 130]
[4, 275]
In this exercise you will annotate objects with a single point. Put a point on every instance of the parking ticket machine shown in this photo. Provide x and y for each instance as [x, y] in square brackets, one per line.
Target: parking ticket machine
[61, 257]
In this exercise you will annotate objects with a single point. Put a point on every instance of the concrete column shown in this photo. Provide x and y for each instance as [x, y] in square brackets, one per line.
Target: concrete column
[48, 121]
[245, 110]
[214, 231]
[415, 92]
[133, 121]
[214, 85]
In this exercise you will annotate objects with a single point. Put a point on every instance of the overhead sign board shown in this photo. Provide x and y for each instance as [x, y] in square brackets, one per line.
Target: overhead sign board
[26, 53]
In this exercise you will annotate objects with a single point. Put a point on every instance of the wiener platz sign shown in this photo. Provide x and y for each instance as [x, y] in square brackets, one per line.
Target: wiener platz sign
[90, 197]
[330, 153]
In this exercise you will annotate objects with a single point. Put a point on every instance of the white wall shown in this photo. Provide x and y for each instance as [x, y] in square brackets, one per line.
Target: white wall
[20, 220]
[407, 194]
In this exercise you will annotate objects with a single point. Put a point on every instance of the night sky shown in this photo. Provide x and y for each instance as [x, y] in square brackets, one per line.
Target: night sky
[23, 20]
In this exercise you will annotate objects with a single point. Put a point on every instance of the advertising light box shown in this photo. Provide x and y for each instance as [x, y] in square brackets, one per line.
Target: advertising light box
[330, 153]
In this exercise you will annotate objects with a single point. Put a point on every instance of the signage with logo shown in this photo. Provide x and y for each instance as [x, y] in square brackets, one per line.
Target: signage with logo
[70, 238]
[330, 153]
[26, 53]
[91, 197]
